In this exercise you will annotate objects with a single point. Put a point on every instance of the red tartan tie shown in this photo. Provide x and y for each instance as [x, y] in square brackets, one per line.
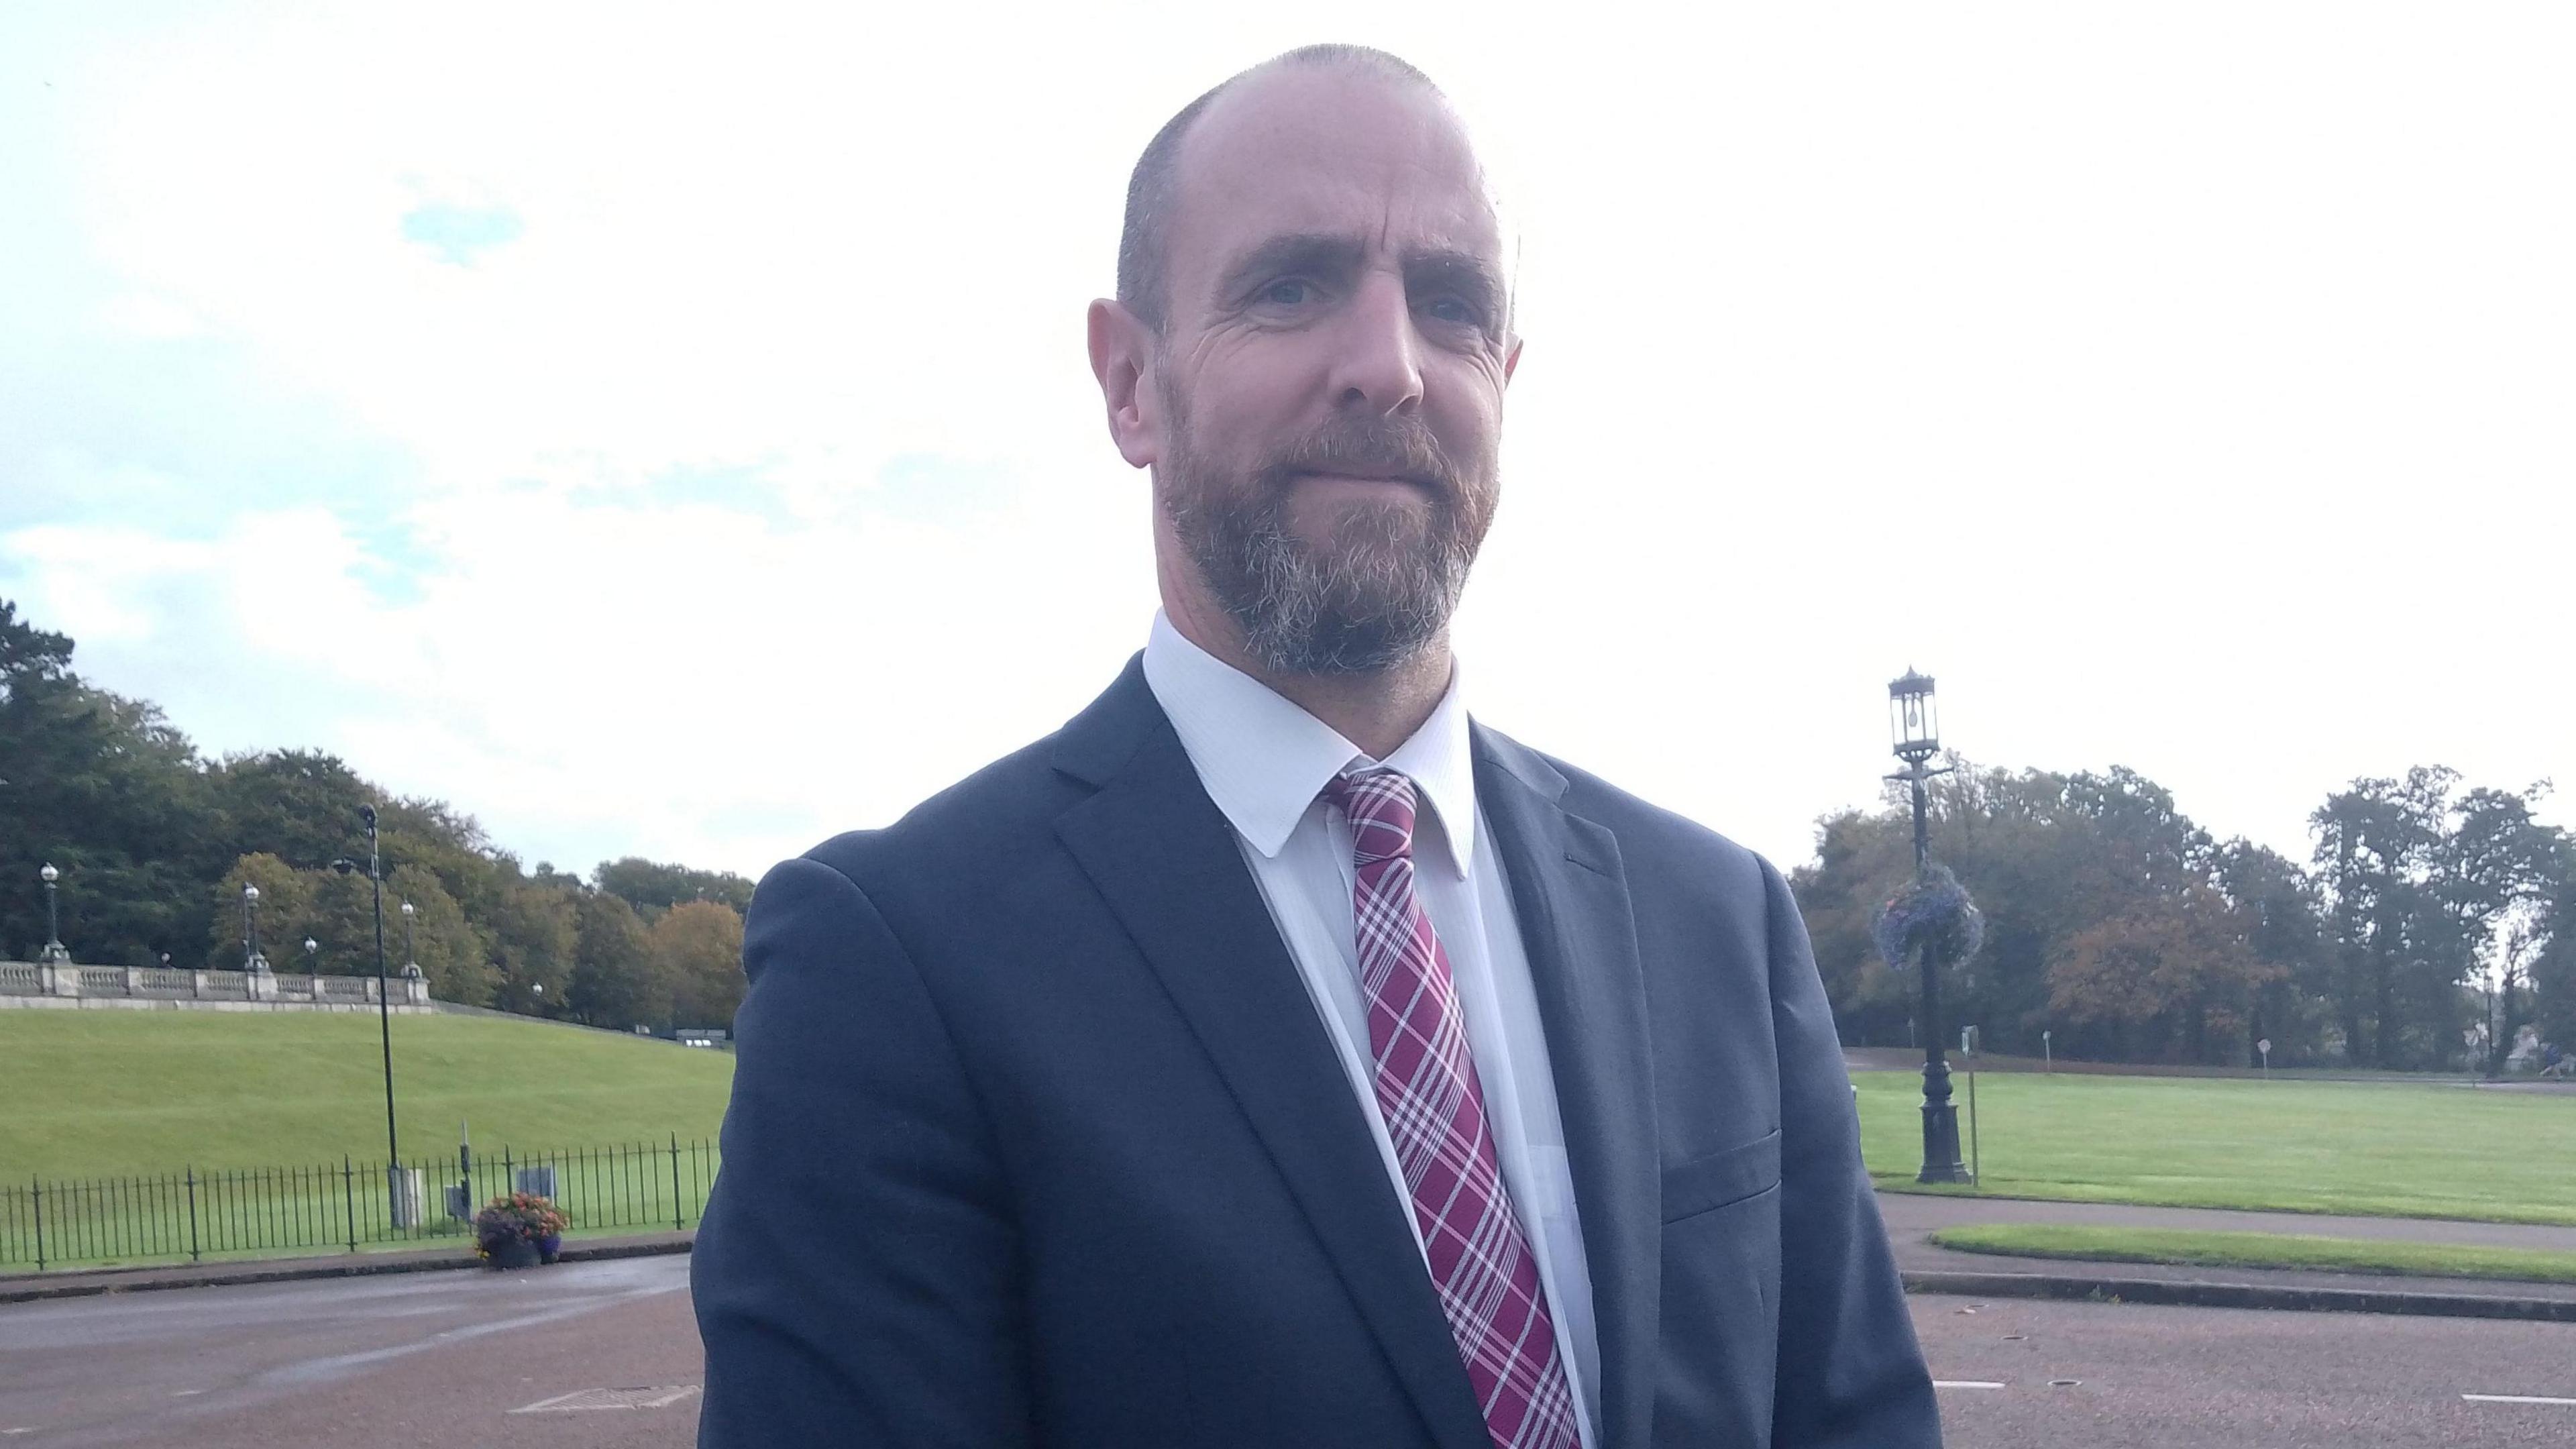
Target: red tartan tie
[1435, 1111]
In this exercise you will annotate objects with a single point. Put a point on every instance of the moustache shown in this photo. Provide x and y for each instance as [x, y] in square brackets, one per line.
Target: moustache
[1376, 447]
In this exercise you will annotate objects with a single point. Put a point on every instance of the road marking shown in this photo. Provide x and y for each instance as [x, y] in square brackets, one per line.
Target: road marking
[660, 1396]
[1964, 1384]
[2518, 1399]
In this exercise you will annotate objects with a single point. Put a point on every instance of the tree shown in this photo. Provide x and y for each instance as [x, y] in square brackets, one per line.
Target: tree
[2277, 908]
[284, 914]
[617, 979]
[2376, 843]
[2173, 977]
[697, 945]
[2492, 877]
[533, 940]
[652, 887]
[154, 843]
[102, 788]
[454, 957]
[2552, 963]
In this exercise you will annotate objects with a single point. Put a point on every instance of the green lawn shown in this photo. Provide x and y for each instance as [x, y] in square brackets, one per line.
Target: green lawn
[2379, 1149]
[106, 1093]
[2258, 1250]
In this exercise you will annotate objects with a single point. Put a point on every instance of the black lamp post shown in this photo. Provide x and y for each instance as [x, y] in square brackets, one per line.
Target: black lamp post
[374, 867]
[312, 950]
[1917, 738]
[54, 950]
[411, 958]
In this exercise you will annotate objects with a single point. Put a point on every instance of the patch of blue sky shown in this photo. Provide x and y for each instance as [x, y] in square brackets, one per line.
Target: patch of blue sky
[942, 488]
[931, 488]
[746, 488]
[459, 233]
[179, 434]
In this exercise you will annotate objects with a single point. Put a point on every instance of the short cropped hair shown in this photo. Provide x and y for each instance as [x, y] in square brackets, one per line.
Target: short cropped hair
[1152, 187]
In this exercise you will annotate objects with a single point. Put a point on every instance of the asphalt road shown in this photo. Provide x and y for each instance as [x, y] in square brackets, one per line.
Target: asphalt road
[446, 1358]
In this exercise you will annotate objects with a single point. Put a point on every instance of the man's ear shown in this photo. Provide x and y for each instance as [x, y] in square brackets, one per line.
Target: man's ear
[1122, 354]
[1512, 358]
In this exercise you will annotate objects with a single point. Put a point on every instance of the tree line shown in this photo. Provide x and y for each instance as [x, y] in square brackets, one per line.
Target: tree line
[155, 843]
[2431, 923]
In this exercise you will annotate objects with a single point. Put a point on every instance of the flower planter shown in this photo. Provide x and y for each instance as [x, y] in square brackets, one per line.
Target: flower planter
[508, 1254]
[520, 1230]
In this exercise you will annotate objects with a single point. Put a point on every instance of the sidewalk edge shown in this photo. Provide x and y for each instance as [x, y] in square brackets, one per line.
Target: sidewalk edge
[300, 1269]
[2191, 1294]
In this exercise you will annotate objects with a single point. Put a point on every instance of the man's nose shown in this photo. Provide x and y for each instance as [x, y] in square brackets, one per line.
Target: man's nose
[1377, 363]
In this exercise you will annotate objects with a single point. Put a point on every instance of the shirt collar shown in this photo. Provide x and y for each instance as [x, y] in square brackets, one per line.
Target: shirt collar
[1264, 760]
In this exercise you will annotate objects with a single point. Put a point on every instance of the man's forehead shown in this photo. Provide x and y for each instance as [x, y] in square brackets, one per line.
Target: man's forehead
[1329, 150]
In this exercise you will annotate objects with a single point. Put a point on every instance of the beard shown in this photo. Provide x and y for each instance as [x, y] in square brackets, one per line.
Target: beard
[1376, 584]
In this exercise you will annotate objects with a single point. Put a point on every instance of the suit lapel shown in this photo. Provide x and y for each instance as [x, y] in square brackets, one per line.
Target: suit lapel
[1570, 893]
[1161, 854]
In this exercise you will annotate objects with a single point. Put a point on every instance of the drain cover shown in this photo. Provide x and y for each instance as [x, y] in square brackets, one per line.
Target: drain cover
[658, 1397]
[2065, 1383]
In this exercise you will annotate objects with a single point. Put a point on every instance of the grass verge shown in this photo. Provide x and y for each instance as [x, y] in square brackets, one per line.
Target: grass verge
[2259, 1250]
[2392, 1149]
[97, 1094]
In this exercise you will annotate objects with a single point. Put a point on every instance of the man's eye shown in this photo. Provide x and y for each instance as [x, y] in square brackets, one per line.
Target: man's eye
[1288, 292]
[1451, 309]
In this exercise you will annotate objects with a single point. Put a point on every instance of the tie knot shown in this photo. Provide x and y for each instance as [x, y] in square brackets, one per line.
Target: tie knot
[1380, 806]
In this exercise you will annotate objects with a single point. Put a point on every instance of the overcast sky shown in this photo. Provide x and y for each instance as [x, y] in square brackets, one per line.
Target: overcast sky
[672, 436]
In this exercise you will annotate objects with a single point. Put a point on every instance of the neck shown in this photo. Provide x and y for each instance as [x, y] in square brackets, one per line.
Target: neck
[1377, 712]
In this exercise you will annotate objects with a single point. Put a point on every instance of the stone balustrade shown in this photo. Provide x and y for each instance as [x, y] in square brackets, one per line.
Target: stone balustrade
[65, 984]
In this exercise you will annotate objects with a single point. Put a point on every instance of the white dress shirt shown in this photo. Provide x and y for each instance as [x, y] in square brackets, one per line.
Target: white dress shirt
[1265, 763]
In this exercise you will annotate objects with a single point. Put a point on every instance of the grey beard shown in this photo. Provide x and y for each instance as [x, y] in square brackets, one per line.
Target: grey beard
[1376, 600]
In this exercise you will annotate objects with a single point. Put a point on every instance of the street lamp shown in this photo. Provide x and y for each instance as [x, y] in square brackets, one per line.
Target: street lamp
[1914, 730]
[311, 947]
[411, 958]
[374, 867]
[251, 959]
[54, 950]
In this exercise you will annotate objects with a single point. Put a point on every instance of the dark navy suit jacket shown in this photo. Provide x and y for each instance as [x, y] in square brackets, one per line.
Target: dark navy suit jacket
[1036, 1138]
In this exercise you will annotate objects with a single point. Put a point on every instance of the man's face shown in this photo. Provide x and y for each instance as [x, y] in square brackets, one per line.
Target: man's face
[1331, 371]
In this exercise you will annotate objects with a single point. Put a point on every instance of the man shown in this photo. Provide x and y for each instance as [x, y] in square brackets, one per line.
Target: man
[1273, 1056]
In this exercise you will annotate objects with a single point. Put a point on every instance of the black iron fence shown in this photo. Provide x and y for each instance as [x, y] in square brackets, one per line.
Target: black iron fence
[347, 1205]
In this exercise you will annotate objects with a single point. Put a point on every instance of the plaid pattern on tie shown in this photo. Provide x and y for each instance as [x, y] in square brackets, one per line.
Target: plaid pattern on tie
[1435, 1112]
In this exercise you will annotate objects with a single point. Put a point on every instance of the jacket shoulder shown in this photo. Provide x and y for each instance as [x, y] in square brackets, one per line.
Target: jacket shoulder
[1663, 842]
[979, 825]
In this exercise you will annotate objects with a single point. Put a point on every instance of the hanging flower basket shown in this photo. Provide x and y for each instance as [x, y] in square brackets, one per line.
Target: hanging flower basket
[1932, 910]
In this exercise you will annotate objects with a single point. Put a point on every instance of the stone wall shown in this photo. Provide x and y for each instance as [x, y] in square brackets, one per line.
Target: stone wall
[66, 985]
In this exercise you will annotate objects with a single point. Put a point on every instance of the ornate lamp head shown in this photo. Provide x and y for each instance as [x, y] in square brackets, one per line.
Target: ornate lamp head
[1912, 726]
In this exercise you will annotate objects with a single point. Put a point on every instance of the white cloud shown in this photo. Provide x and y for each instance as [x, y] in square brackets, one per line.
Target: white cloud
[2185, 390]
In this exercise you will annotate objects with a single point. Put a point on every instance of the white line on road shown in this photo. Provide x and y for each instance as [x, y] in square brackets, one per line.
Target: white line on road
[660, 1396]
[2517, 1399]
[1964, 1384]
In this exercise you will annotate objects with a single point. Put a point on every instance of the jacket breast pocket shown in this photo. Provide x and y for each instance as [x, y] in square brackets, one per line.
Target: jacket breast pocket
[1727, 1176]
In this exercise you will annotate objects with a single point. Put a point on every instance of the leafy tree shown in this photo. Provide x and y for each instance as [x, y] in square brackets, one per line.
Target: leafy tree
[2173, 977]
[617, 979]
[652, 887]
[533, 941]
[2551, 965]
[284, 915]
[697, 945]
[453, 955]
[2278, 909]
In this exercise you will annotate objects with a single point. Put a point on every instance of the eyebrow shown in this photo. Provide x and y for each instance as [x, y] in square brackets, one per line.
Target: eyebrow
[1328, 255]
[1306, 251]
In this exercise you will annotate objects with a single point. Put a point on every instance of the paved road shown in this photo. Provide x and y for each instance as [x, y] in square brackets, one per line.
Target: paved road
[446, 1357]
[2180, 1378]
[415, 1358]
